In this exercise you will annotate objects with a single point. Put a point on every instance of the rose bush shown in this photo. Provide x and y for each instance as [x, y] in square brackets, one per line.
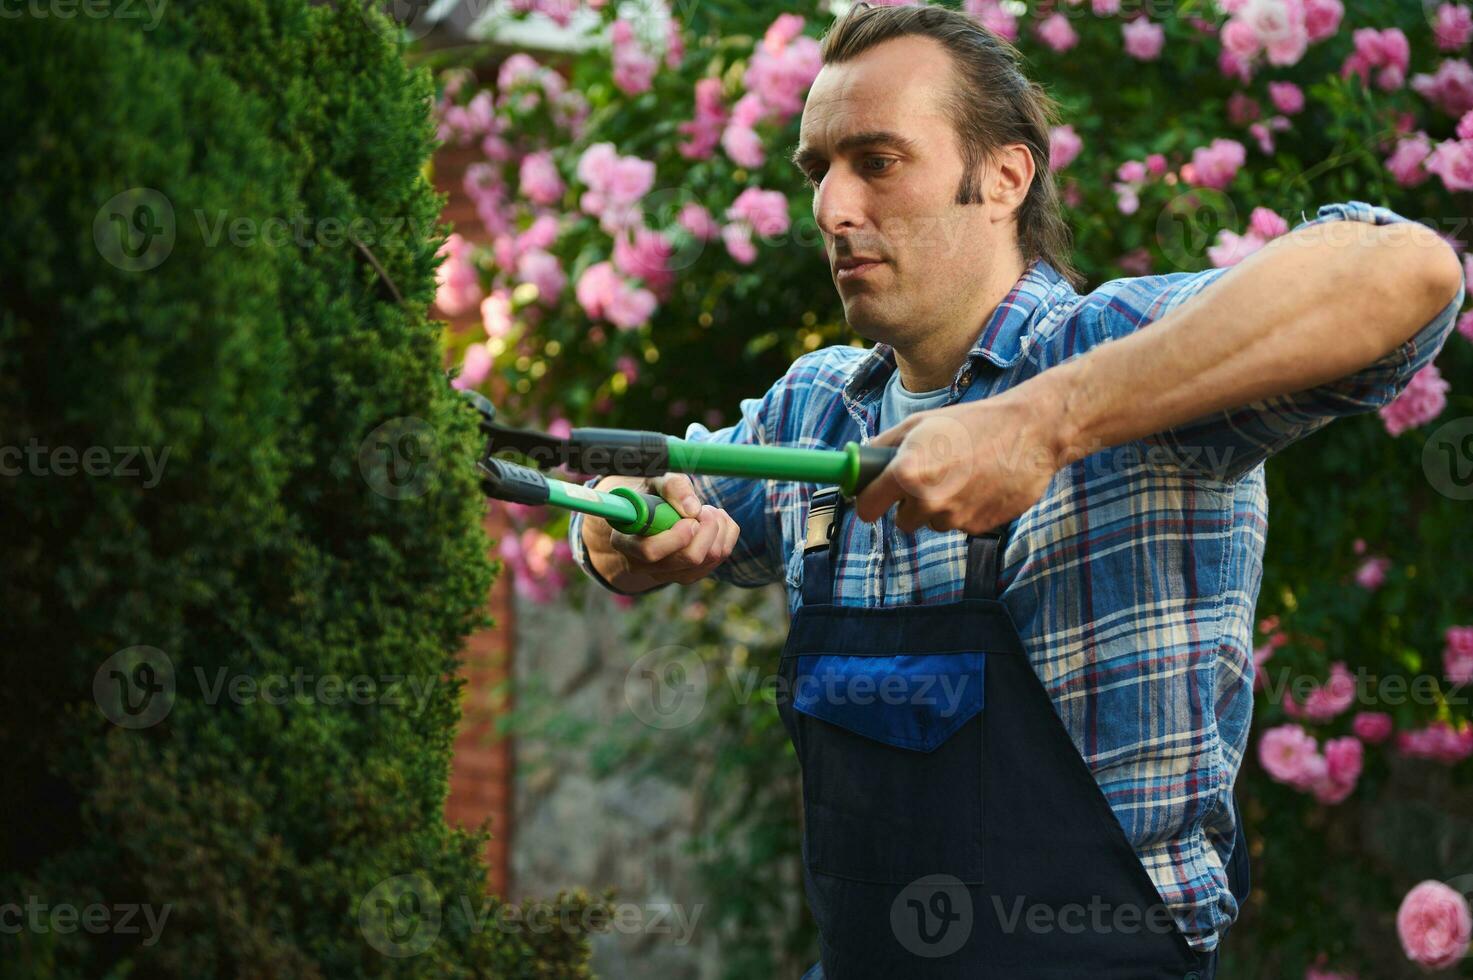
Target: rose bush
[650, 258]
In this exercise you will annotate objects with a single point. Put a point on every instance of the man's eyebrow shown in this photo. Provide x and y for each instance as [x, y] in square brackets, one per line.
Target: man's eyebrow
[803, 156]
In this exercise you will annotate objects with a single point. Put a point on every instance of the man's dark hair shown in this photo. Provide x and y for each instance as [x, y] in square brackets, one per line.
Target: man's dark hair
[991, 103]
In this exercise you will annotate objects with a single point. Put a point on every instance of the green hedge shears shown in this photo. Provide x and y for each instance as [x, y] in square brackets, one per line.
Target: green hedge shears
[630, 452]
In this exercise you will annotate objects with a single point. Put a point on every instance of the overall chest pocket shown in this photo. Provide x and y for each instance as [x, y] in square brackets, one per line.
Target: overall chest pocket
[886, 708]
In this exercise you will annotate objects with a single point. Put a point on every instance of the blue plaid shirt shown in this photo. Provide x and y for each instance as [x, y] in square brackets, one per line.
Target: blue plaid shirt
[1132, 581]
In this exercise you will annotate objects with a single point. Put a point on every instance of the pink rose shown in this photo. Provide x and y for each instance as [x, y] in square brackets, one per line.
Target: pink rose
[1242, 109]
[1343, 760]
[1434, 925]
[1131, 172]
[1240, 39]
[634, 68]
[743, 146]
[1407, 162]
[496, 315]
[1452, 160]
[1216, 165]
[737, 237]
[1372, 726]
[1156, 164]
[1287, 97]
[1056, 31]
[474, 367]
[1105, 8]
[596, 288]
[629, 308]
[1127, 200]
[543, 270]
[1371, 574]
[1325, 701]
[1439, 741]
[646, 255]
[540, 181]
[1232, 248]
[458, 283]
[1064, 146]
[1451, 88]
[1322, 18]
[994, 17]
[1267, 225]
[698, 221]
[1452, 26]
[1457, 655]
[1143, 39]
[1289, 755]
[765, 211]
[1423, 399]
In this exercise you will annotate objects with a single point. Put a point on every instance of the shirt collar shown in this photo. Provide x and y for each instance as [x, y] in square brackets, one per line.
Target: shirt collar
[1000, 341]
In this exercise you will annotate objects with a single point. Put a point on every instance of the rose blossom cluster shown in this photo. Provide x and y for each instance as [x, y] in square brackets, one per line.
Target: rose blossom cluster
[1450, 88]
[1325, 701]
[754, 210]
[995, 17]
[1387, 52]
[1279, 30]
[1423, 399]
[1131, 176]
[1457, 654]
[1232, 248]
[782, 68]
[1291, 756]
[1452, 26]
[1439, 741]
[1215, 165]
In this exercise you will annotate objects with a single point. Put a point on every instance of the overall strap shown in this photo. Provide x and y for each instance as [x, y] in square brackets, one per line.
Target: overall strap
[821, 552]
[984, 562]
[821, 545]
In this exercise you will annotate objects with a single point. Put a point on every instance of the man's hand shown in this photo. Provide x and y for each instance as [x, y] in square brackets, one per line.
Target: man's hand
[686, 552]
[972, 466]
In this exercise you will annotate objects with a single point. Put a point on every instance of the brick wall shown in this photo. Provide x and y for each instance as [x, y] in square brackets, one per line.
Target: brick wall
[481, 771]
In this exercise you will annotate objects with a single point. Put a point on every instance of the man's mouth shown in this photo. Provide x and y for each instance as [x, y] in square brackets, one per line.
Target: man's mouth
[856, 268]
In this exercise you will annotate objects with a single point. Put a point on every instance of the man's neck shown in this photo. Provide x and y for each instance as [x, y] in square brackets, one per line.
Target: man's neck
[932, 360]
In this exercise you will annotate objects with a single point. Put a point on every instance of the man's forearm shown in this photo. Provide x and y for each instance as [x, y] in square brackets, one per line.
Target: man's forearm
[1313, 306]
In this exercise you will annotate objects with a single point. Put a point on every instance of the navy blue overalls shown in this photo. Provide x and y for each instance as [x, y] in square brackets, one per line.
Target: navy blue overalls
[951, 827]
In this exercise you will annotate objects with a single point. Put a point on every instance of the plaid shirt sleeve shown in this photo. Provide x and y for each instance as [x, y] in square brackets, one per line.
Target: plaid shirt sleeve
[1228, 444]
[756, 557]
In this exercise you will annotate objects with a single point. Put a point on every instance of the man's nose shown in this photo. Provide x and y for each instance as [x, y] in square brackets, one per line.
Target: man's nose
[838, 204]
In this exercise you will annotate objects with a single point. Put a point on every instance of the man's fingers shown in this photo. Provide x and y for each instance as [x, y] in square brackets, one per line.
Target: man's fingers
[655, 547]
[730, 531]
[695, 553]
[876, 498]
[679, 491]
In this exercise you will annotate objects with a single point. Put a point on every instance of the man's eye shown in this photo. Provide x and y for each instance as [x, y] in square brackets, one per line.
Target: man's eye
[882, 160]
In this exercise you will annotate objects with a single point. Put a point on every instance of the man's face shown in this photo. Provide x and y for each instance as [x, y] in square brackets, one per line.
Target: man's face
[884, 162]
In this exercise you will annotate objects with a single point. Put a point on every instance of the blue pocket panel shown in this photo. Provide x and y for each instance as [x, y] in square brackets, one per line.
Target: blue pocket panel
[908, 677]
[914, 702]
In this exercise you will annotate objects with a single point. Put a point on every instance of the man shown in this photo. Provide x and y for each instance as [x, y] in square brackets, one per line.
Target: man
[1080, 491]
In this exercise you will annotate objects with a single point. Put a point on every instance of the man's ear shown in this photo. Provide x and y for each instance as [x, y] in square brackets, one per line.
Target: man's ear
[1009, 176]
